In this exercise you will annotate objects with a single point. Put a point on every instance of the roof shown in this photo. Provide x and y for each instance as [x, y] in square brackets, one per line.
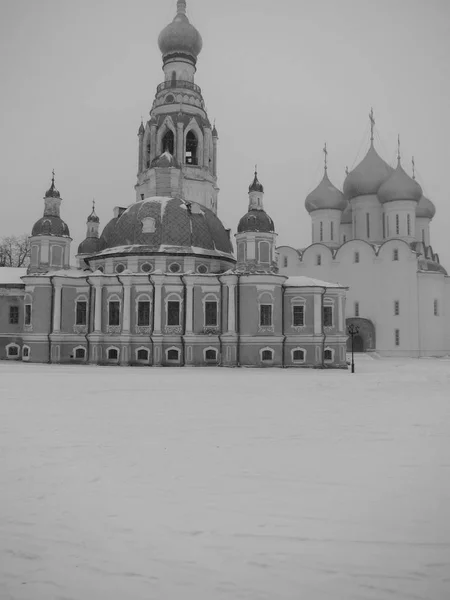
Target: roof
[304, 281]
[12, 275]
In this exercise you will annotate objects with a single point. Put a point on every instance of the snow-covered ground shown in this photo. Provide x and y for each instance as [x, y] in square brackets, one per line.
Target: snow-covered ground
[204, 484]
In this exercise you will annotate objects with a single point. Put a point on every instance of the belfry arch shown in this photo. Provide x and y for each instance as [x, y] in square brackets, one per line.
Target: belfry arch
[365, 340]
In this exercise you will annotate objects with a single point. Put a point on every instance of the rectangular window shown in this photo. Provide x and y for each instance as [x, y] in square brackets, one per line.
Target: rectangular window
[265, 315]
[395, 254]
[356, 309]
[397, 337]
[436, 308]
[384, 226]
[13, 315]
[321, 231]
[356, 257]
[397, 224]
[328, 316]
[408, 224]
[396, 308]
[387, 226]
[423, 236]
[285, 261]
[318, 260]
[211, 314]
[368, 225]
[27, 314]
[332, 230]
[173, 313]
[298, 316]
[114, 313]
[344, 239]
[81, 313]
[143, 313]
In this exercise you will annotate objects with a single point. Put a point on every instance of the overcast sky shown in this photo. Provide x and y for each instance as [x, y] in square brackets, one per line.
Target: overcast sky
[280, 78]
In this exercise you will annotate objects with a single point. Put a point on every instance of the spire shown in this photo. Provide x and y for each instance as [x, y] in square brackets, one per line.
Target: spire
[141, 127]
[181, 7]
[372, 126]
[346, 170]
[399, 157]
[325, 155]
[413, 163]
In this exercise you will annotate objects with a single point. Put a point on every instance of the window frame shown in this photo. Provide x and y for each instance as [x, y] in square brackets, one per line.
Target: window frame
[141, 300]
[435, 307]
[332, 352]
[114, 301]
[108, 358]
[395, 255]
[214, 360]
[356, 257]
[173, 360]
[10, 356]
[396, 308]
[262, 351]
[269, 314]
[328, 303]
[297, 360]
[210, 299]
[142, 360]
[28, 307]
[81, 300]
[397, 337]
[14, 320]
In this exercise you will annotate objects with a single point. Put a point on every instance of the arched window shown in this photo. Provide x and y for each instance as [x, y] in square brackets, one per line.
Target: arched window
[298, 355]
[241, 252]
[142, 354]
[173, 354]
[264, 252]
[13, 351]
[34, 255]
[266, 354]
[79, 353]
[168, 142]
[328, 355]
[113, 353]
[56, 259]
[210, 354]
[191, 149]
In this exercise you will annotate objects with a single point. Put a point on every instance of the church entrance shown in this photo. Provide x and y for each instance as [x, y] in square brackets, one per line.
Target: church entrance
[365, 340]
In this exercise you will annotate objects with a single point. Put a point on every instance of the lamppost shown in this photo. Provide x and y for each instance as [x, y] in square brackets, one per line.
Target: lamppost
[352, 331]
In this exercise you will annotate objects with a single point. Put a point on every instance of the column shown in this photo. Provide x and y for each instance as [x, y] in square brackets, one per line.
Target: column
[317, 314]
[340, 314]
[215, 156]
[157, 308]
[57, 309]
[189, 307]
[206, 140]
[231, 308]
[98, 308]
[152, 143]
[180, 143]
[126, 308]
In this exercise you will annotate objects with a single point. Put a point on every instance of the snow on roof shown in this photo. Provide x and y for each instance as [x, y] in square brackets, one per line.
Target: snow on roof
[11, 275]
[303, 281]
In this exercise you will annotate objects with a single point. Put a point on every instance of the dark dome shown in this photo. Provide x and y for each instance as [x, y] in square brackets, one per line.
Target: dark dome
[256, 220]
[256, 186]
[52, 192]
[367, 177]
[180, 37]
[169, 225]
[50, 226]
[89, 246]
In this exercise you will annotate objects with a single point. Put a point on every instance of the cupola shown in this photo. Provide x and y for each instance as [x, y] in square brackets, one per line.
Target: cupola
[180, 39]
[399, 186]
[325, 196]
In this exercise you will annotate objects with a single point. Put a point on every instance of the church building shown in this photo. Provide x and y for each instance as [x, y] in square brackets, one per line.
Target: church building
[374, 238]
[160, 283]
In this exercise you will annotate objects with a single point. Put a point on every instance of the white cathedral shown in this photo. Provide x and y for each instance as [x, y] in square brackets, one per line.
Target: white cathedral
[374, 237]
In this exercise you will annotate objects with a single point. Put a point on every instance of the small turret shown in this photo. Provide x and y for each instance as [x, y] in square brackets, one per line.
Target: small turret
[92, 243]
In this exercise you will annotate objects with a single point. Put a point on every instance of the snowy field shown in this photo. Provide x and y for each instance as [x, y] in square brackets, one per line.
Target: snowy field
[204, 484]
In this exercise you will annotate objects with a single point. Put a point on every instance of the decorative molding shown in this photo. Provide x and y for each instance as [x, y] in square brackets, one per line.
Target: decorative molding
[211, 330]
[298, 328]
[80, 329]
[113, 329]
[28, 328]
[266, 329]
[143, 330]
[173, 329]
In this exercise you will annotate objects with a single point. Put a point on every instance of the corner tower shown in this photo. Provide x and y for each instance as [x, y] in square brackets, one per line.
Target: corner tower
[178, 123]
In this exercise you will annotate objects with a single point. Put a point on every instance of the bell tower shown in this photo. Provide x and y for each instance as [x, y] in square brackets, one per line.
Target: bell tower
[178, 124]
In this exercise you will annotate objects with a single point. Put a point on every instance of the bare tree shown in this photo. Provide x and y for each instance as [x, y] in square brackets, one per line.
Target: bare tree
[15, 251]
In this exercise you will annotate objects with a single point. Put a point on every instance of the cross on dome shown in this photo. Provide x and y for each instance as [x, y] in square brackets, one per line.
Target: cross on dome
[372, 125]
[325, 153]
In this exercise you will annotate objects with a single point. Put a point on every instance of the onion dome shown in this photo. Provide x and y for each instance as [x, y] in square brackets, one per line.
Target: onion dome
[399, 186]
[347, 215]
[214, 131]
[165, 160]
[163, 224]
[326, 195]
[93, 218]
[50, 225]
[90, 245]
[425, 209]
[256, 220]
[367, 177]
[256, 186]
[180, 37]
[52, 192]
